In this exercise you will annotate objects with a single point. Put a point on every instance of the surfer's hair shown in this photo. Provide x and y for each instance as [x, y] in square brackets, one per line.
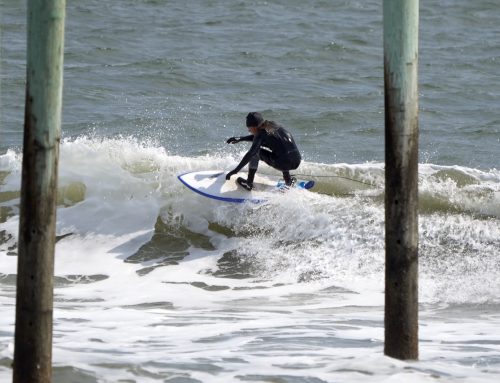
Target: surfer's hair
[269, 126]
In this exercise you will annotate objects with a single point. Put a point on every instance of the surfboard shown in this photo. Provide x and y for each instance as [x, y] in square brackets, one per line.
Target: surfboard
[213, 184]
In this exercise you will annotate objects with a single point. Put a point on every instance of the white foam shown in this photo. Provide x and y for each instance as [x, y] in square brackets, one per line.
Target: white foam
[317, 262]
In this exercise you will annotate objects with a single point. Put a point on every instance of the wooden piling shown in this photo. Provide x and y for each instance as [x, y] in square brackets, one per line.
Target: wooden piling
[401, 177]
[34, 299]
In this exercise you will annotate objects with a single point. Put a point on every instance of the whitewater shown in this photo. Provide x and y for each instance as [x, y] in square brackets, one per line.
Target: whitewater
[156, 283]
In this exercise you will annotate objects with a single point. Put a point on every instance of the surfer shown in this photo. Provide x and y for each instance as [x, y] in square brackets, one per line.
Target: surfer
[272, 144]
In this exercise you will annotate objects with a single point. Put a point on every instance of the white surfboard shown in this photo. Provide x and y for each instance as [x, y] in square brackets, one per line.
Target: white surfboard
[213, 184]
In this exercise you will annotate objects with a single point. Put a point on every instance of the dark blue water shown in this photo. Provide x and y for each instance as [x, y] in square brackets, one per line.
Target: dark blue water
[187, 75]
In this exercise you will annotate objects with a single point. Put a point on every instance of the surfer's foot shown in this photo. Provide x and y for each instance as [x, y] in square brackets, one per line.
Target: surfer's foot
[291, 181]
[245, 184]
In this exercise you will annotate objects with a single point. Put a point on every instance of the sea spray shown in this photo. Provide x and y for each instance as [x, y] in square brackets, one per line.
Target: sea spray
[144, 265]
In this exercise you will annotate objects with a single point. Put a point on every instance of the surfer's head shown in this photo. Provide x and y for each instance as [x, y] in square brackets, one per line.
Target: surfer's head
[254, 120]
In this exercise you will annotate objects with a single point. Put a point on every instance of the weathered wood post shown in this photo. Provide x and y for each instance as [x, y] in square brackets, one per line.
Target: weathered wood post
[42, 122]
[401, 177]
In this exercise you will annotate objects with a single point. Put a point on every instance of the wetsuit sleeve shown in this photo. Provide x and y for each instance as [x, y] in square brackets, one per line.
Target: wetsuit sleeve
[246, 138]
[254, 149]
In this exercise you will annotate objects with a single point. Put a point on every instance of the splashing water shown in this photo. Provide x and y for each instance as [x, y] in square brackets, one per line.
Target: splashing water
[155, 282]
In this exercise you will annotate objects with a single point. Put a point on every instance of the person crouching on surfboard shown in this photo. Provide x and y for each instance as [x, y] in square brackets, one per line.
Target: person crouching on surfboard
[272, 144]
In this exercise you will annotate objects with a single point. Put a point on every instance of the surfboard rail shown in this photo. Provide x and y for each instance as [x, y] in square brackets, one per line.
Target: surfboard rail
[212, 184]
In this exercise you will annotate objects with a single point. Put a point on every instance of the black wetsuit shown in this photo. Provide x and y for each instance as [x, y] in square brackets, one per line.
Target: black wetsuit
[275, 147]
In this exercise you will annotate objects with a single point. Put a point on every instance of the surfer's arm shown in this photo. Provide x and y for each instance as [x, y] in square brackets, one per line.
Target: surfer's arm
[247, 138]
[254, 149]
[234, 140]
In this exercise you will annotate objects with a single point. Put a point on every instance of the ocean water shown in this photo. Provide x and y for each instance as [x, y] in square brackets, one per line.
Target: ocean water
[157, 284]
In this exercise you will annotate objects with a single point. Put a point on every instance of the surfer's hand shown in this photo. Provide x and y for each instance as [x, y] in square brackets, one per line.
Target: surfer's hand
[230, 174]
[233, 140]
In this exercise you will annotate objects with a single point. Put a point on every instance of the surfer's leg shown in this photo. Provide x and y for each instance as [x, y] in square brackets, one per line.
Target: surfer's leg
[252, 169]
[285, 166]
[251, 176]
[268, 157]
[254, 162]
[282, 164]
[289, 180]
